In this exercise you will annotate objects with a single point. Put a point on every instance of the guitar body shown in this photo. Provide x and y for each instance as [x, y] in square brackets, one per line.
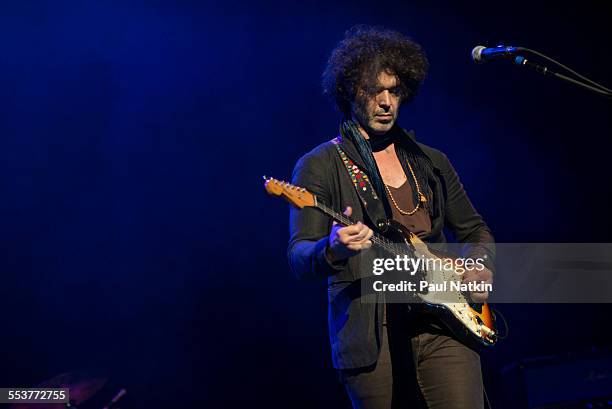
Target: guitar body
[471, 323]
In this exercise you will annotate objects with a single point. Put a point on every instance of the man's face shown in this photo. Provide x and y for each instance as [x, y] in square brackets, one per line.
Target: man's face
[377, 112]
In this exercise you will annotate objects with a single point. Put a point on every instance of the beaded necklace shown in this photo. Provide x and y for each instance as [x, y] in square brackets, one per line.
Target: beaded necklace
[420, 195]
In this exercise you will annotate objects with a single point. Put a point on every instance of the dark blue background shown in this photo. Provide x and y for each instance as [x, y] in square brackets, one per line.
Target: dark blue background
[135, 233]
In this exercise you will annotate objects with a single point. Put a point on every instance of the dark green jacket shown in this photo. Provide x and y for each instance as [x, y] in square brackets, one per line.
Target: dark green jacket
[355, 327]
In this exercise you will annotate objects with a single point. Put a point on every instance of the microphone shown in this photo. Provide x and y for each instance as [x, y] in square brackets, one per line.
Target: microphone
[481, 54]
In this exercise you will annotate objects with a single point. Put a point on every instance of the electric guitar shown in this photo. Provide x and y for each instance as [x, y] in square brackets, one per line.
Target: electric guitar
[471, 323]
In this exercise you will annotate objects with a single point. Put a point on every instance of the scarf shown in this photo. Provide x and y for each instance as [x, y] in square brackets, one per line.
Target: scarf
[407, 152]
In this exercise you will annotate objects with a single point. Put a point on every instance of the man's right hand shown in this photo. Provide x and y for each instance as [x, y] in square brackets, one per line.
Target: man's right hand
[345, 242]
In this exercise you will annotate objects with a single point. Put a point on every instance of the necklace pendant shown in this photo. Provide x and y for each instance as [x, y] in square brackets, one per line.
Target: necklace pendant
[422, 198]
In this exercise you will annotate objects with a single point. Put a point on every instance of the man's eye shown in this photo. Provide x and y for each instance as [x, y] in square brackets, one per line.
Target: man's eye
[395, 91]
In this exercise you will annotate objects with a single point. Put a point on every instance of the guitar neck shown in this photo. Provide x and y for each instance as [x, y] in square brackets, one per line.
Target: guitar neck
[377, 239]
[300, 198]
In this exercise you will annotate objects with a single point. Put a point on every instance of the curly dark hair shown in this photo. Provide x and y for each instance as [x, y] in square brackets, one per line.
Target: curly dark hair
[362, 55]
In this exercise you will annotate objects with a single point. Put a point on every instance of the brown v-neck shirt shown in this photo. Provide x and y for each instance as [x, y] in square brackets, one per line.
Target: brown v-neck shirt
[418, 223]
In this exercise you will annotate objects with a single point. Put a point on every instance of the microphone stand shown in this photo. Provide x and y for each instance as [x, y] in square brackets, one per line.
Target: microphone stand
[524, 62]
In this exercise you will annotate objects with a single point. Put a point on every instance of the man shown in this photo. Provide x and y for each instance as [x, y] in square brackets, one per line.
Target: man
[387, 355]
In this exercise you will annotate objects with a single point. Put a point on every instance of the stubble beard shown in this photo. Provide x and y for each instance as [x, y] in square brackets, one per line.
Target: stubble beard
[369, 123]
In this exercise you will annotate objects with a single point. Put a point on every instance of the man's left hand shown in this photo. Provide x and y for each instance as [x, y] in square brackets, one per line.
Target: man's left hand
[485, 276]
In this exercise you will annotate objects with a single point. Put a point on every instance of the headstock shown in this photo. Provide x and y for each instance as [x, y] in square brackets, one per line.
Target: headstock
[297, 196]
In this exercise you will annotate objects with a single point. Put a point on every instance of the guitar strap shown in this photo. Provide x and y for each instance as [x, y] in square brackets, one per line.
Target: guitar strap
[372, 205]
[362, 184]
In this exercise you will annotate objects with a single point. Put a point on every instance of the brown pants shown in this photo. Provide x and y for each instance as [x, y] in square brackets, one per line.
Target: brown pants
[419, 367]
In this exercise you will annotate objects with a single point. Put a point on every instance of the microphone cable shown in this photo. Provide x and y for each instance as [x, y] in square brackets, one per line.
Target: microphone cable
[582, 77]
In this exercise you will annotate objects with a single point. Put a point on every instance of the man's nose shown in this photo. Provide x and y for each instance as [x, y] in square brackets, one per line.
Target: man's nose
[384, 99]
